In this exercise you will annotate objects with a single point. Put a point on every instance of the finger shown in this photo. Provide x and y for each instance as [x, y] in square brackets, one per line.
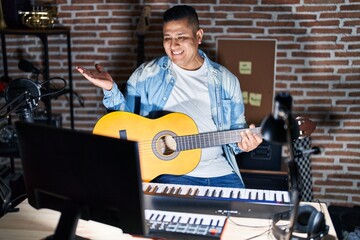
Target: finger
[243, 146]
[80, 69]
[99, 68]
[84, 72]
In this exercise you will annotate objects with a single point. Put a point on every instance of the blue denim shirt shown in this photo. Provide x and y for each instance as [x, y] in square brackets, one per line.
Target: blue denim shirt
[149, 87]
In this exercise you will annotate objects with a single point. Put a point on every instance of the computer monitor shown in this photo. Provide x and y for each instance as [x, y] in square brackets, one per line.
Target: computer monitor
[83, 176]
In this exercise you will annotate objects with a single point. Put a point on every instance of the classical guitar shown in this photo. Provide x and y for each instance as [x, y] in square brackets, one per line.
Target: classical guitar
[171, 144]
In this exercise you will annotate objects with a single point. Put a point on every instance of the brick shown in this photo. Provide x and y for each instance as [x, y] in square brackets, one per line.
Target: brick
[320, 23]
[315, 8]
[355, 15]
[275, 24]
[287, 31]
[334, 183]
[334, 78]
[314, 70]
[353, 7]
[232, 8]
[283, 2]
[329, 62]
[311, 54]
[322, 1]
[331, 31]
[317, 39]
[252, 15]
[234, 2]
[297, 16]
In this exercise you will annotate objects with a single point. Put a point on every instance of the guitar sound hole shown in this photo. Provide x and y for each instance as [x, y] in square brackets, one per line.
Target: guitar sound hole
[166, 145]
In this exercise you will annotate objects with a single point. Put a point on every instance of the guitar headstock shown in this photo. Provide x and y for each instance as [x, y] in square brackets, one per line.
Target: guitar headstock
[144, 21]
[306, 126]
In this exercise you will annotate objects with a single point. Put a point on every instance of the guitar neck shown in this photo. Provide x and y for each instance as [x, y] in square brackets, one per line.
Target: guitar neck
[211, 139]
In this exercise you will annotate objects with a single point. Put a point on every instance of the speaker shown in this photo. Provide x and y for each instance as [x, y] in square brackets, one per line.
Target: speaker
[266, 156]
[309, 223]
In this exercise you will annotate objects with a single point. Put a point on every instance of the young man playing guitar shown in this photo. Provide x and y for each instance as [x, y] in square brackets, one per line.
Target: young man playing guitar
[186, 81]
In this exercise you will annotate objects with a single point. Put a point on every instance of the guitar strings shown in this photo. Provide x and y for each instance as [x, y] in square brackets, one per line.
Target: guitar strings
[189, 142]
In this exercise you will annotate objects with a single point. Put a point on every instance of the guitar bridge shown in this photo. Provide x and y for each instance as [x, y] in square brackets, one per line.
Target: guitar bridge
[122, 134]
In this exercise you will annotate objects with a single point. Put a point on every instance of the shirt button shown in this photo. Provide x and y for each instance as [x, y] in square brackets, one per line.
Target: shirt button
[164, 98]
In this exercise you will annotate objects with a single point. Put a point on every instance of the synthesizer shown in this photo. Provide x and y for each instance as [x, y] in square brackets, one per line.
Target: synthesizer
[216, 200]
[179, 225]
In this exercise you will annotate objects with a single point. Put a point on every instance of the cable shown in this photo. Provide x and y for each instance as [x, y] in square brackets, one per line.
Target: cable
[268, 230]
[248, 226]
[56, 92]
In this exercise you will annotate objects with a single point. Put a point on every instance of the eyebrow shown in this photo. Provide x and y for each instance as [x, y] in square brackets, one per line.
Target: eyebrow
[177, 34]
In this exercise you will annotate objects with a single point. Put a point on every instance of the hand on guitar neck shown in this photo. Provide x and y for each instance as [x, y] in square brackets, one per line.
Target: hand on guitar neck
[249, 139]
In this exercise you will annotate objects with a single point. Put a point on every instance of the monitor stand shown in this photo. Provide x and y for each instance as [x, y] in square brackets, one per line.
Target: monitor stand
[67, 224]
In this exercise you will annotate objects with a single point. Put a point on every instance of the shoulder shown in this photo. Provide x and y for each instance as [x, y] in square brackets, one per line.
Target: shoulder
[150, 71]
[159, 62]
[218, 69]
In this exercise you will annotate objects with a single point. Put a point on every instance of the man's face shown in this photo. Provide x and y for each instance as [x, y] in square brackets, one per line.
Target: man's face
[181, 44]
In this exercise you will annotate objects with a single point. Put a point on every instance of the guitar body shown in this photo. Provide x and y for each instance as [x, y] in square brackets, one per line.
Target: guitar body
[155, 157]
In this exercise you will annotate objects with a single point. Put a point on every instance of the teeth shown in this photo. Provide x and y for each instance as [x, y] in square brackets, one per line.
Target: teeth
[177, 53]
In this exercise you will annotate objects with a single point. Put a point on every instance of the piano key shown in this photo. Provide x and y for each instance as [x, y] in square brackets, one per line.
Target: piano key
[286, 198]
[271, 195]
[201, 191]
[279, 197]
[226, 192]
[260, 195]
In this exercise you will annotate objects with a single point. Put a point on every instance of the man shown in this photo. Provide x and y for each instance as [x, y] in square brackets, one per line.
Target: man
[186, 81]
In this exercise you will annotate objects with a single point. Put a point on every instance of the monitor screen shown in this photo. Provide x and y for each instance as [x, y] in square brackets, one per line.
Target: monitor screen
[83, 176]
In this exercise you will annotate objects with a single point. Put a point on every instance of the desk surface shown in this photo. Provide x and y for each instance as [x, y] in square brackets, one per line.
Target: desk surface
[32, 224]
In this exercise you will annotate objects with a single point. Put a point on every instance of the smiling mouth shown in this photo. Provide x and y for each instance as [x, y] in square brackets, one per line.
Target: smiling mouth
[177, 53]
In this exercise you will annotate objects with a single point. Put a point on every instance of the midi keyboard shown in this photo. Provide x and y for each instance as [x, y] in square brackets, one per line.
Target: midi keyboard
[216, 200]
[189, 226]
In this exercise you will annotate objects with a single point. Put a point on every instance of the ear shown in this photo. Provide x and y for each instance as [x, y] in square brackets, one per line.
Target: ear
[199, 35]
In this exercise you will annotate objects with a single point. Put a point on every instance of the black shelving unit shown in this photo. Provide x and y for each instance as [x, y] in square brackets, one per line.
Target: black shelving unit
[43, 35]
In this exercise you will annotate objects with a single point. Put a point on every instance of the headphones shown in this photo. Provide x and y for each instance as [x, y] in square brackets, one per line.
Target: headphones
[306, 220]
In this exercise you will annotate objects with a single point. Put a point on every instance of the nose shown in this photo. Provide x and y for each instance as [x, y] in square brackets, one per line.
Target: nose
[173, 43]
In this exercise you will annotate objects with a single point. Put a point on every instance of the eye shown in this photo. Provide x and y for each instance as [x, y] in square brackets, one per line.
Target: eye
[181, 38]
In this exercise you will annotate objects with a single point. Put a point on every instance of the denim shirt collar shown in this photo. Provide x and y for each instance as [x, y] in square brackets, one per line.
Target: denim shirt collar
[165, 62]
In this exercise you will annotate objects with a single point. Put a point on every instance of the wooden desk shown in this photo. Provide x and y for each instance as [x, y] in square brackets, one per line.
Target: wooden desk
[32, 224]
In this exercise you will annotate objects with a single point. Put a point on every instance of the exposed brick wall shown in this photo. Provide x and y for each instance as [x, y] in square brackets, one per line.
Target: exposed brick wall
[318, 62]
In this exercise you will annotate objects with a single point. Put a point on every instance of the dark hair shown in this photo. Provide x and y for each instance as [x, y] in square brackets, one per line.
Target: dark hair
[180, 12]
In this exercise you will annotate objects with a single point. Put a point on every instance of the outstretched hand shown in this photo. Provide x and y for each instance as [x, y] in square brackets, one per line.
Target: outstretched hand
[249, 140]
[99, 78]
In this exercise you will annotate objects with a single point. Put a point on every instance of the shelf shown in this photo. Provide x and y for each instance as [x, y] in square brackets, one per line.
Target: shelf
[43, 35]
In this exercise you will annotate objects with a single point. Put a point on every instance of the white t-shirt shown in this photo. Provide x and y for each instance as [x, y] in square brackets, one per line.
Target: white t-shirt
[190, 95]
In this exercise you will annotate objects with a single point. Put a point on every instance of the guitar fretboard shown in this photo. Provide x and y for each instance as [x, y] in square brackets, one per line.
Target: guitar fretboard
[211, 139]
